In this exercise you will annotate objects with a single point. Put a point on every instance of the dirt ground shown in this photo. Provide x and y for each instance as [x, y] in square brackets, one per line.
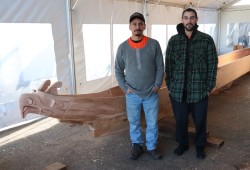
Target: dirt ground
[41, 143]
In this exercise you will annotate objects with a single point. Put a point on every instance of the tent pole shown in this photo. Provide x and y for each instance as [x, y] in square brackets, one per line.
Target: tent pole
[218, 32]
[71, 44]
[145, 15]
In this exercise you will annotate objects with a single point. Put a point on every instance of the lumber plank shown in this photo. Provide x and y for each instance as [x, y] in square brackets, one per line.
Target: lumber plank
[56, 166]
[191, 130]
[110, 125]
[211, 141]
[215, 142]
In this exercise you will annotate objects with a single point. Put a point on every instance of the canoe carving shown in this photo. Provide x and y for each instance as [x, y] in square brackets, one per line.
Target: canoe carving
[105, 111]
[231, 66]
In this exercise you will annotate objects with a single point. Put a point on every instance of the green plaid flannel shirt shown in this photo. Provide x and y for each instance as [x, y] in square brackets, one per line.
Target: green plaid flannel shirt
[201, 69]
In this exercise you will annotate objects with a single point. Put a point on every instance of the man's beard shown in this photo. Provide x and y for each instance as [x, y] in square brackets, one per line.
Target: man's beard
[138, 33]
[190, 27]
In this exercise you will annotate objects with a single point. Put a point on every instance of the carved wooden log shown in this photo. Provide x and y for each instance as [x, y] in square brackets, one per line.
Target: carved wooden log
[231, 66]
[105, 111]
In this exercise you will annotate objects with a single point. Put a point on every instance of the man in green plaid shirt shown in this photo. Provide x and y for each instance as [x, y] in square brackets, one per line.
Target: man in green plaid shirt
[191, 69]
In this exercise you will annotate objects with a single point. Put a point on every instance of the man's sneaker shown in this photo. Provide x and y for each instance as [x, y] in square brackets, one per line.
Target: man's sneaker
[136, 152]
[154, 154]
[200, 152]
[180, 149]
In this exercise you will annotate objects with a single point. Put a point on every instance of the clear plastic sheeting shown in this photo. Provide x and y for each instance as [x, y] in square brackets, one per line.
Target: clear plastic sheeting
[26, 57]
[97, 50]
[238, 34]
[34, 47]
[10, 115]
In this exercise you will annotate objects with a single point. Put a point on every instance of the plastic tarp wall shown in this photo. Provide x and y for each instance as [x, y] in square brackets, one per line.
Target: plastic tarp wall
[162, 21]
[100, 26]
[235, 29]
[34, 46]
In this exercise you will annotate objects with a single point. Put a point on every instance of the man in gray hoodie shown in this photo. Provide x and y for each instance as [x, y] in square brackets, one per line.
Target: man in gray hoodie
[139, 71]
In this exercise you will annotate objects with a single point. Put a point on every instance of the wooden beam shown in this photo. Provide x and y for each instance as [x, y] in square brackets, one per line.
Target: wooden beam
[211, 141]
[215, 142]
[56, 166]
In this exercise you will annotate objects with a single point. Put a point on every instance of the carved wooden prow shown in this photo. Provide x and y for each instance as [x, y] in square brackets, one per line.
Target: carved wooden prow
[53, 89]
[104, 111]
[44, 86]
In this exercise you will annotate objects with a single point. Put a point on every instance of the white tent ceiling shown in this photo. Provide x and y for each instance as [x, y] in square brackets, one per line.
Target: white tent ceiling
[210, 4]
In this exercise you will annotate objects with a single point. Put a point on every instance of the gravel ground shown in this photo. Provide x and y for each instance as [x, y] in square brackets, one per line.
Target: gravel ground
[41, 143]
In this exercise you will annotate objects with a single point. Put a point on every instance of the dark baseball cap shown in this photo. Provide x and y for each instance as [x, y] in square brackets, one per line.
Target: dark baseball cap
[136, 15]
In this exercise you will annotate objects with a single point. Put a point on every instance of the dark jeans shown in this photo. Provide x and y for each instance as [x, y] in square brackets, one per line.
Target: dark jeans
[199, 113]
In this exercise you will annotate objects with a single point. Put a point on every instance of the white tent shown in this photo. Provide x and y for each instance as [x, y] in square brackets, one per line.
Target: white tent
[75, 41]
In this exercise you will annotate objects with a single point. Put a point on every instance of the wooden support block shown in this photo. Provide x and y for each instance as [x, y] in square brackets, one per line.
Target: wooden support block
[166, 134]
[244, 166]
[216, 142]
[167, 127]
[56, 166]
[192, 130]
[212, 141]
[110, 125]
[237, 47]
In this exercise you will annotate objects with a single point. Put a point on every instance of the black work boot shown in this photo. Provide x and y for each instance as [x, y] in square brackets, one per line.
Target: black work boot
[180, 149]
[154, 154]
[136, 152]
[200, 150]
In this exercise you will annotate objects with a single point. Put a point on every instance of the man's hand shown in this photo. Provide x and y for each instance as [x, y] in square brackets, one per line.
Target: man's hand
[155, 89]
[129, 91]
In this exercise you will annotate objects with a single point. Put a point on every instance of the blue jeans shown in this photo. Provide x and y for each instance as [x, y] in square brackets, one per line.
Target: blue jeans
[134, 104]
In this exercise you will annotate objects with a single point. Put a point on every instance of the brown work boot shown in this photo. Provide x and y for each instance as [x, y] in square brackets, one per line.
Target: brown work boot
[154, 154]
[136, 152]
